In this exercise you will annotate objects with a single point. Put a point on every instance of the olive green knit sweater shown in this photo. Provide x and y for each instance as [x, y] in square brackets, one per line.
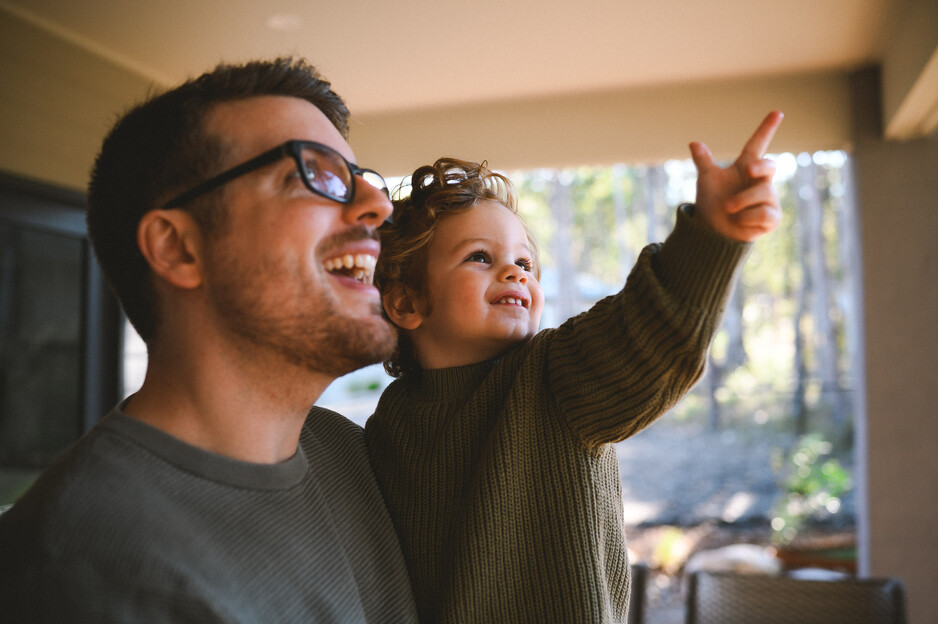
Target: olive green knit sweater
[501, 477]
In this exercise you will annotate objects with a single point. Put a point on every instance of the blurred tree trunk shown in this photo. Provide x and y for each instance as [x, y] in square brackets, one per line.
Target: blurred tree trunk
[824, 335]
[622, 212]
[799, 408]
[851, 287]
[713, 379]
[655, 184]
[562, 207]
[736, 355]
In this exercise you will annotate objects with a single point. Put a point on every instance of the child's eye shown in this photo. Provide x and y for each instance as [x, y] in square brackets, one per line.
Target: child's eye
[525, 264]
[478, 256]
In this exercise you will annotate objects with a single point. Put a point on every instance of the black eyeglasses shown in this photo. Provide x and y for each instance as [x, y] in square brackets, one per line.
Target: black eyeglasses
[323, 170]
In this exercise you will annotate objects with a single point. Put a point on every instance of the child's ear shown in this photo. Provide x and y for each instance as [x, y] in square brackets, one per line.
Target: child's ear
[171, 242]
[401, 307]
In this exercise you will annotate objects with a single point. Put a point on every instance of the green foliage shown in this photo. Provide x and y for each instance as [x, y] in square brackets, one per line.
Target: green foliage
[813, 484]
[671, 550]
[365, 386]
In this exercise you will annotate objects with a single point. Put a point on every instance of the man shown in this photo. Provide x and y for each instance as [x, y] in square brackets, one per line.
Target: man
[240, 238]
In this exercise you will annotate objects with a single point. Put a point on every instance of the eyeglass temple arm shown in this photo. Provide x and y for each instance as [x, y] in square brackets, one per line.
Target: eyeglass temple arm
[213, 183]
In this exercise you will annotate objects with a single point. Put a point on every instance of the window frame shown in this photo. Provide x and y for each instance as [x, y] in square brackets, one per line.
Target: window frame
[42, 207]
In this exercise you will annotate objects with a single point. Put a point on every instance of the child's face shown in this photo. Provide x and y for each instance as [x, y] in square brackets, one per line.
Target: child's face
[483, 296]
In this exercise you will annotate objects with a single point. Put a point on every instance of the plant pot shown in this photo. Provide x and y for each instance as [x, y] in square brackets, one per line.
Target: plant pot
[837, 553]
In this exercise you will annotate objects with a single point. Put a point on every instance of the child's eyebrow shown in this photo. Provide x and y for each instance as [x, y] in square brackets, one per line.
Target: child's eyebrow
[478, 240]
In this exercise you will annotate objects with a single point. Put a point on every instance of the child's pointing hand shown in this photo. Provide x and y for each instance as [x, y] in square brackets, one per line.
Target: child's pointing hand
[739, 201]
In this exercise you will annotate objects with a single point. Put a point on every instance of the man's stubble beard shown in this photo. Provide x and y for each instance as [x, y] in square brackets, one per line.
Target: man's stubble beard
[308, 328]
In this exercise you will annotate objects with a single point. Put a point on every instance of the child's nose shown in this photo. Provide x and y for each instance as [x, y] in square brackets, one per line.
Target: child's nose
[514, 273]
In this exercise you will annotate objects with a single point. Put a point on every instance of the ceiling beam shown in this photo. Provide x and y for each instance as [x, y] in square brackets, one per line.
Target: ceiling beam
[910, 73]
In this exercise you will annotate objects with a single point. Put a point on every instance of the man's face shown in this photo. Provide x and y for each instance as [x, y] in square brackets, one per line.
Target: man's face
[266, 274]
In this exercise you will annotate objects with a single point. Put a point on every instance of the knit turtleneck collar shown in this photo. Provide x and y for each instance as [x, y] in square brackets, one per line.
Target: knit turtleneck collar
[445, 384]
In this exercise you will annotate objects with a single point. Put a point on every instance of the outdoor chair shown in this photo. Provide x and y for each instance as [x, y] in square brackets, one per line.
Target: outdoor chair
[757, 599]
[637, 599]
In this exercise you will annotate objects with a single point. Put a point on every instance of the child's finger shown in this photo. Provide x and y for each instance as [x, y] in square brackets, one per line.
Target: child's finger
[759, 219]
[756, 195]
[761, 169]
[758, 143]
[702, 157]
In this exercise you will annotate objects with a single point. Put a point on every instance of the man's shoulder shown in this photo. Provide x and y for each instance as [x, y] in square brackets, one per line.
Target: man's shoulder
[79, 497]
[325, 422]
[329, 433]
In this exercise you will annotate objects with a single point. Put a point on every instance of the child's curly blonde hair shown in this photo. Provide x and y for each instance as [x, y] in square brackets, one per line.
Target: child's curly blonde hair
[448, 186]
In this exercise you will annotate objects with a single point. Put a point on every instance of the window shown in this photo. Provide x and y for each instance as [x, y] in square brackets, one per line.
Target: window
[57, 331]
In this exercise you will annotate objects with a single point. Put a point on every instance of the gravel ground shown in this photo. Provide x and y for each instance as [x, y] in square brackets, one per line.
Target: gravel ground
[685, 475]
[687, 490]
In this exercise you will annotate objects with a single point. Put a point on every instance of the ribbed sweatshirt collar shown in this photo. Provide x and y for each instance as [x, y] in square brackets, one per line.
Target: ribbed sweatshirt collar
[202, 463]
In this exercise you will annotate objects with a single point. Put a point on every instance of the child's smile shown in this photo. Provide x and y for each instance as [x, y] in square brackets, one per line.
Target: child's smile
[513, 300]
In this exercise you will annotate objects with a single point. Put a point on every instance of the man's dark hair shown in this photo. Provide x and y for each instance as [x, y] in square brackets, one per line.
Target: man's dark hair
[160, 147]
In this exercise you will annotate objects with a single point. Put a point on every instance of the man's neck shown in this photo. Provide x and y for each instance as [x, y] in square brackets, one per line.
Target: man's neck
[252, 412]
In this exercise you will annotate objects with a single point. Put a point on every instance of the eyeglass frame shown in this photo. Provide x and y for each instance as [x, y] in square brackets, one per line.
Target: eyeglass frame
[292, 149]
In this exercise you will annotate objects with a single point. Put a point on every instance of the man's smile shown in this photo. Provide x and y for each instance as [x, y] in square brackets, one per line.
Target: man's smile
[359, 266]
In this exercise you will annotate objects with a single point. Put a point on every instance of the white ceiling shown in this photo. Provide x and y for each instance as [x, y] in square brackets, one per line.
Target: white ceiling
[394, 55]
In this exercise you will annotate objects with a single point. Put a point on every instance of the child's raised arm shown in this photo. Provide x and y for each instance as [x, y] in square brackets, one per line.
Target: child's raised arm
[739, 201]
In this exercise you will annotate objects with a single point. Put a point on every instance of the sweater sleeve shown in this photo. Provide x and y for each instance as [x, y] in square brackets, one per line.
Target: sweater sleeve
[614, 369]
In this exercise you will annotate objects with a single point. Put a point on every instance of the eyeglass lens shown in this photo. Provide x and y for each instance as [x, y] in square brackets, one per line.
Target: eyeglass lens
[328, 173]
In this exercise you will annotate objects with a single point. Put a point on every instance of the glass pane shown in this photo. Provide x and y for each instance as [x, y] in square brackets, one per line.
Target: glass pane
[40, 352]
[134, 367]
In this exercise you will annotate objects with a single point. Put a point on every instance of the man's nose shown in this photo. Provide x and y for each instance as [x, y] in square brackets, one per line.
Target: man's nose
[370, 206]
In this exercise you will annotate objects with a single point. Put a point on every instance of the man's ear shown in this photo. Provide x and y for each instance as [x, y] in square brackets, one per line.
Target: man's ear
[401, 307]
[171, 242]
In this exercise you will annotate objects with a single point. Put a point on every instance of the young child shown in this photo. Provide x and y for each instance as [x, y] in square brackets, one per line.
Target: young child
[493, 447]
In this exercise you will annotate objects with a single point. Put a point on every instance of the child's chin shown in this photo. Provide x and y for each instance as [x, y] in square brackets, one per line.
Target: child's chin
[513, 338]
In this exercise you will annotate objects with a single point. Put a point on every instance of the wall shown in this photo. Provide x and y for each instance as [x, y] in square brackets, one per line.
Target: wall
[897, 191]
[56, 102]
[637, 125]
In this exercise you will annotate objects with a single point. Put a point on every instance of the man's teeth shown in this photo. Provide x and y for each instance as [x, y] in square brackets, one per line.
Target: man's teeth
[358, 266]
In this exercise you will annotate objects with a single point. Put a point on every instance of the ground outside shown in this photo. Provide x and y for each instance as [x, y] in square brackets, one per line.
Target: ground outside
[688, 491]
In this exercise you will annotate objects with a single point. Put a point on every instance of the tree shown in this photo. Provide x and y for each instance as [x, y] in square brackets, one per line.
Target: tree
[560, 197]
[824, 337]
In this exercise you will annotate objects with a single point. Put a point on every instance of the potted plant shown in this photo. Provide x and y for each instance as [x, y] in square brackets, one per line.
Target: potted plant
[813, 484]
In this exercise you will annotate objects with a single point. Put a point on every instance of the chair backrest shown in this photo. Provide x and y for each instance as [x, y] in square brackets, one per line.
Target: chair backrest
[639, 574]
[755, 599]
